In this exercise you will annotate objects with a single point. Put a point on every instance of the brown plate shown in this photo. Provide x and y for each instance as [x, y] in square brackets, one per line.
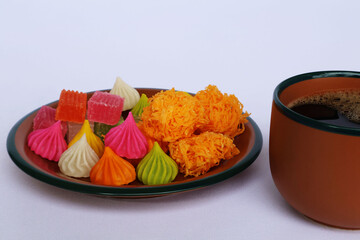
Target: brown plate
[249, 144]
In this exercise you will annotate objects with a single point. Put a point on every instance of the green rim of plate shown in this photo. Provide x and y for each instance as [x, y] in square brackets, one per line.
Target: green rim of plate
[138, 191]
[306, 120]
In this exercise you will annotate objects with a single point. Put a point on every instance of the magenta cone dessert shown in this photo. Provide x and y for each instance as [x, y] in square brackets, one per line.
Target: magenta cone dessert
[126, 140]
[49, 142]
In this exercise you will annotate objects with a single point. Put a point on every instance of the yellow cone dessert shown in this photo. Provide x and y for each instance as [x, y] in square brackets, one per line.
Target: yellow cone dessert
[93, 140]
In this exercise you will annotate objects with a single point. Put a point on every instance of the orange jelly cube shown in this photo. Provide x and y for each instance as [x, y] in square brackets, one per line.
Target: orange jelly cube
[71, 106]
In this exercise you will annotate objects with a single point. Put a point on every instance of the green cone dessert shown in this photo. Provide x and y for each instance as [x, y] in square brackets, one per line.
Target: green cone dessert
[138, 108]
[156, 167]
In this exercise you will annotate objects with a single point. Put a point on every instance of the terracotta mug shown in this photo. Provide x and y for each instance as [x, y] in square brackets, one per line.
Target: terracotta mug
[316, 165]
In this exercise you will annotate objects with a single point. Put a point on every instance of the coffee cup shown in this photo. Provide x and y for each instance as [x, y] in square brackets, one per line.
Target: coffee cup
[315, 164]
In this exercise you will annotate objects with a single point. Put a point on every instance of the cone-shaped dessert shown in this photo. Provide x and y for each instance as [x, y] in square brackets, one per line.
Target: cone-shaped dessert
[156, 167]
[93, 140]
[112, 170]
[49, 142]
[78, 160]
[130, 94]
[126, 140]
[138, 108]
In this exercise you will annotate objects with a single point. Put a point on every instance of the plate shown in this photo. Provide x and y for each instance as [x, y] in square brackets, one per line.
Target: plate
[249, 144]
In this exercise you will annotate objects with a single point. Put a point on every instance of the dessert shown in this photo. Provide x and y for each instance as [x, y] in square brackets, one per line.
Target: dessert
[172, 115]
[78, 160]
[112, 170]
[45, 117]
[94, 141]
[197, 154]
[105, 108]
[130, 94]
[223, 112]
[126, 140]
[197, 132]
[138, 108]
[48, 142]
[71, 106]
[156, 167]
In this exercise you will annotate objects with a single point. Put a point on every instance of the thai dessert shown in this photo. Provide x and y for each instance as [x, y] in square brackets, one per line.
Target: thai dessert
[112, 170]
[49, 142]
[130, 94]
[79, 159]
[162, 135]
[157, 167]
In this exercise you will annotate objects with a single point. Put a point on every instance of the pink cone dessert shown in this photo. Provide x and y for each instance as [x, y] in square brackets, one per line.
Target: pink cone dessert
[49, 142]
[126, 140]
[45, 117]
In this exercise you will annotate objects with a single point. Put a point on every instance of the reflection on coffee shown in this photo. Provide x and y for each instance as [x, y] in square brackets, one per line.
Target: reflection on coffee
[340, 108]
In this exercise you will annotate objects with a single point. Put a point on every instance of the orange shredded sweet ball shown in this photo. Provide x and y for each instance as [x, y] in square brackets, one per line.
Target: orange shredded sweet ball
[223, 112]
[172, 115]
[197, 154]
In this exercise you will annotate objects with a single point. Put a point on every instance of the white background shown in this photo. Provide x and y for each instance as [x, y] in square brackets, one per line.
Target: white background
[244, 47]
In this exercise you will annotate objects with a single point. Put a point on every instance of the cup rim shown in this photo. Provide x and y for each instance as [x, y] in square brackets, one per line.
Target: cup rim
[306, 120]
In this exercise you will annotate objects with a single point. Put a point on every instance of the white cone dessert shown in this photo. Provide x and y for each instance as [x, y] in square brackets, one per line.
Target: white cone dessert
[78, 159]
[123, 90]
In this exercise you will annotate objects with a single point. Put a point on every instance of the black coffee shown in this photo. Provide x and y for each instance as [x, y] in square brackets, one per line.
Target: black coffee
[340, 108]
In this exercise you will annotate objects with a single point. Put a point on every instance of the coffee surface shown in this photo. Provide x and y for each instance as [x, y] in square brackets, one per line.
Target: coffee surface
[335, 107]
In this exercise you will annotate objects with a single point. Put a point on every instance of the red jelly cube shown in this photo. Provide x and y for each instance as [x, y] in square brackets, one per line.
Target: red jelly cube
[72, 106]
[45, 118]
[105, 108]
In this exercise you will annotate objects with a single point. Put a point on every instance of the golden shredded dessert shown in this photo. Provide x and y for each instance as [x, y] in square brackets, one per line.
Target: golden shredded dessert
[172, 115]
[223, 112]
[197, 154]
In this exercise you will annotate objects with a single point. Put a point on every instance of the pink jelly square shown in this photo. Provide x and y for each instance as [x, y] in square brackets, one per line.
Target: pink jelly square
[105, 108]
[45, 118]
